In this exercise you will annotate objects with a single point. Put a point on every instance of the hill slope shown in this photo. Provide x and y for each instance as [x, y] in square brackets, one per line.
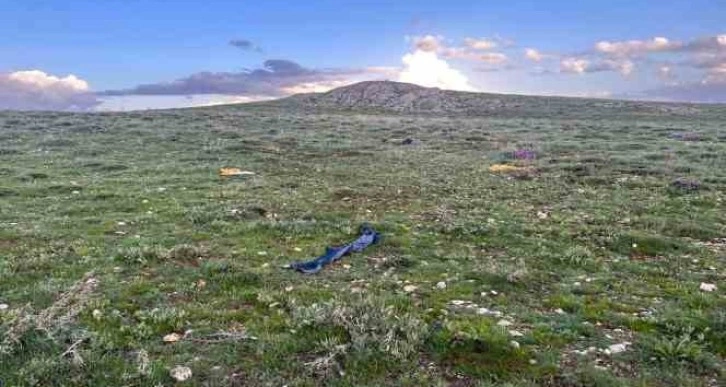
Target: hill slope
[408, 98]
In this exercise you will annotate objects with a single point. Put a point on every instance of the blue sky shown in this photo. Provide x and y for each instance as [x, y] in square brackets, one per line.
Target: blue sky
[117, 45]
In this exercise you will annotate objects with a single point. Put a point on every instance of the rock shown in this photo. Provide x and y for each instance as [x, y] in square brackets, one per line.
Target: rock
[410, 288]
[706, 287]
[542, 215]
[172, 338]
[180, 373]
[532, 361]
[514, 344]
[617, 348]
[516, 334]
[504, 323]
[458, 302]
[289, 289]
[559, 311]
[97, 314]
[4, 307]
[441, 285]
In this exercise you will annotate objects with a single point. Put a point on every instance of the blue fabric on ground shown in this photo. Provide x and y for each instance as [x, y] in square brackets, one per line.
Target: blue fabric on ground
[332, 254]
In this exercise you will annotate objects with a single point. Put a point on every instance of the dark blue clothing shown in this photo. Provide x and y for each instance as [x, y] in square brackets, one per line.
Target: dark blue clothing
[332, 254]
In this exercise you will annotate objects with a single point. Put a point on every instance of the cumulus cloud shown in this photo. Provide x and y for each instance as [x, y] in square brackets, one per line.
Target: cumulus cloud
[428, 43]
[276, 78]
[425, 68]
[637, 47]
[472, 50]
[574, 65]
[37, 90]
[581, 65]
[480, 43]
[245, 44]
[533, 55]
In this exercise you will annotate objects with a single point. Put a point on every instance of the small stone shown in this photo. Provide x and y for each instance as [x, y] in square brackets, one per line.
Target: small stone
[559, 311]
[297, 249]
[289, 289]
[706, 287]
[516, 334]
[265, 265]
[262, 253]
[172, 338]
[4, 307]
[617, 348]
[504, 323]
[97, 314]
[410, 288]
[180, 373]
[577, 284]
[542, 215]
[161, 189]
[121, 223]
[441, 285]
[274, 304]
[346, 267]
[483, 311]
[532, 361]
[144, 201]
[76, 192]
[514, 344]
[201, 284]
[458, 302]
[494, 292]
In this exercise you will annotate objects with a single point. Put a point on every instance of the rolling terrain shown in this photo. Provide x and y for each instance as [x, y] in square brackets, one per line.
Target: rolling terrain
[527, 241]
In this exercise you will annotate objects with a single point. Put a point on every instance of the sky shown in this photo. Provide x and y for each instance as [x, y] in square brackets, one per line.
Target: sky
[83, 55]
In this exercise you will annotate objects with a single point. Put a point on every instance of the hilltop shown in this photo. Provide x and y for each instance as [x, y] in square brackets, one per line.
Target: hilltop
[388, 96]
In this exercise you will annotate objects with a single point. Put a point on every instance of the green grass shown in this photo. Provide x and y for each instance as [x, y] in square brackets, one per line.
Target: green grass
[593, 248]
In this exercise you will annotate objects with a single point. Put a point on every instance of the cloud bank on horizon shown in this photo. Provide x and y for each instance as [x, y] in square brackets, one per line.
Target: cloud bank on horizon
[689, 71]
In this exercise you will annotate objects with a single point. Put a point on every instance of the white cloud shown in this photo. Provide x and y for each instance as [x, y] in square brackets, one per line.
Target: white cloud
[316, 87]
[637, 47]
[37, 90]
[574, 65]
[427, 69]
[665, 72]
[480, 43]
[533, 55]
[428, 43]
[580, 65]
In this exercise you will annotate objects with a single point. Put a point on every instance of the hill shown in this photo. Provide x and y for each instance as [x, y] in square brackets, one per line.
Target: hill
[388, 96]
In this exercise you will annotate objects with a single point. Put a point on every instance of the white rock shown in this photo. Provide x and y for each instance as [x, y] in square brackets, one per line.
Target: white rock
[483, 311]
[289, 289]
[297, 249]
[514, 344]
[410, 288]
[97, 314]
[458, 302]
[516, 334]
[532, 361]
[504, 323]
[617, 348]
[559, 311]
[494, 292]
[180, 373]
[172, 338]
[4, 306]
[542, 215]
[577, 284]
[708, 287]
[441, 285]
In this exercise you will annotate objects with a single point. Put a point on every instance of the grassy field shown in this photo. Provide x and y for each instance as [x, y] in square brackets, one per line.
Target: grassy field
[580, 266]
